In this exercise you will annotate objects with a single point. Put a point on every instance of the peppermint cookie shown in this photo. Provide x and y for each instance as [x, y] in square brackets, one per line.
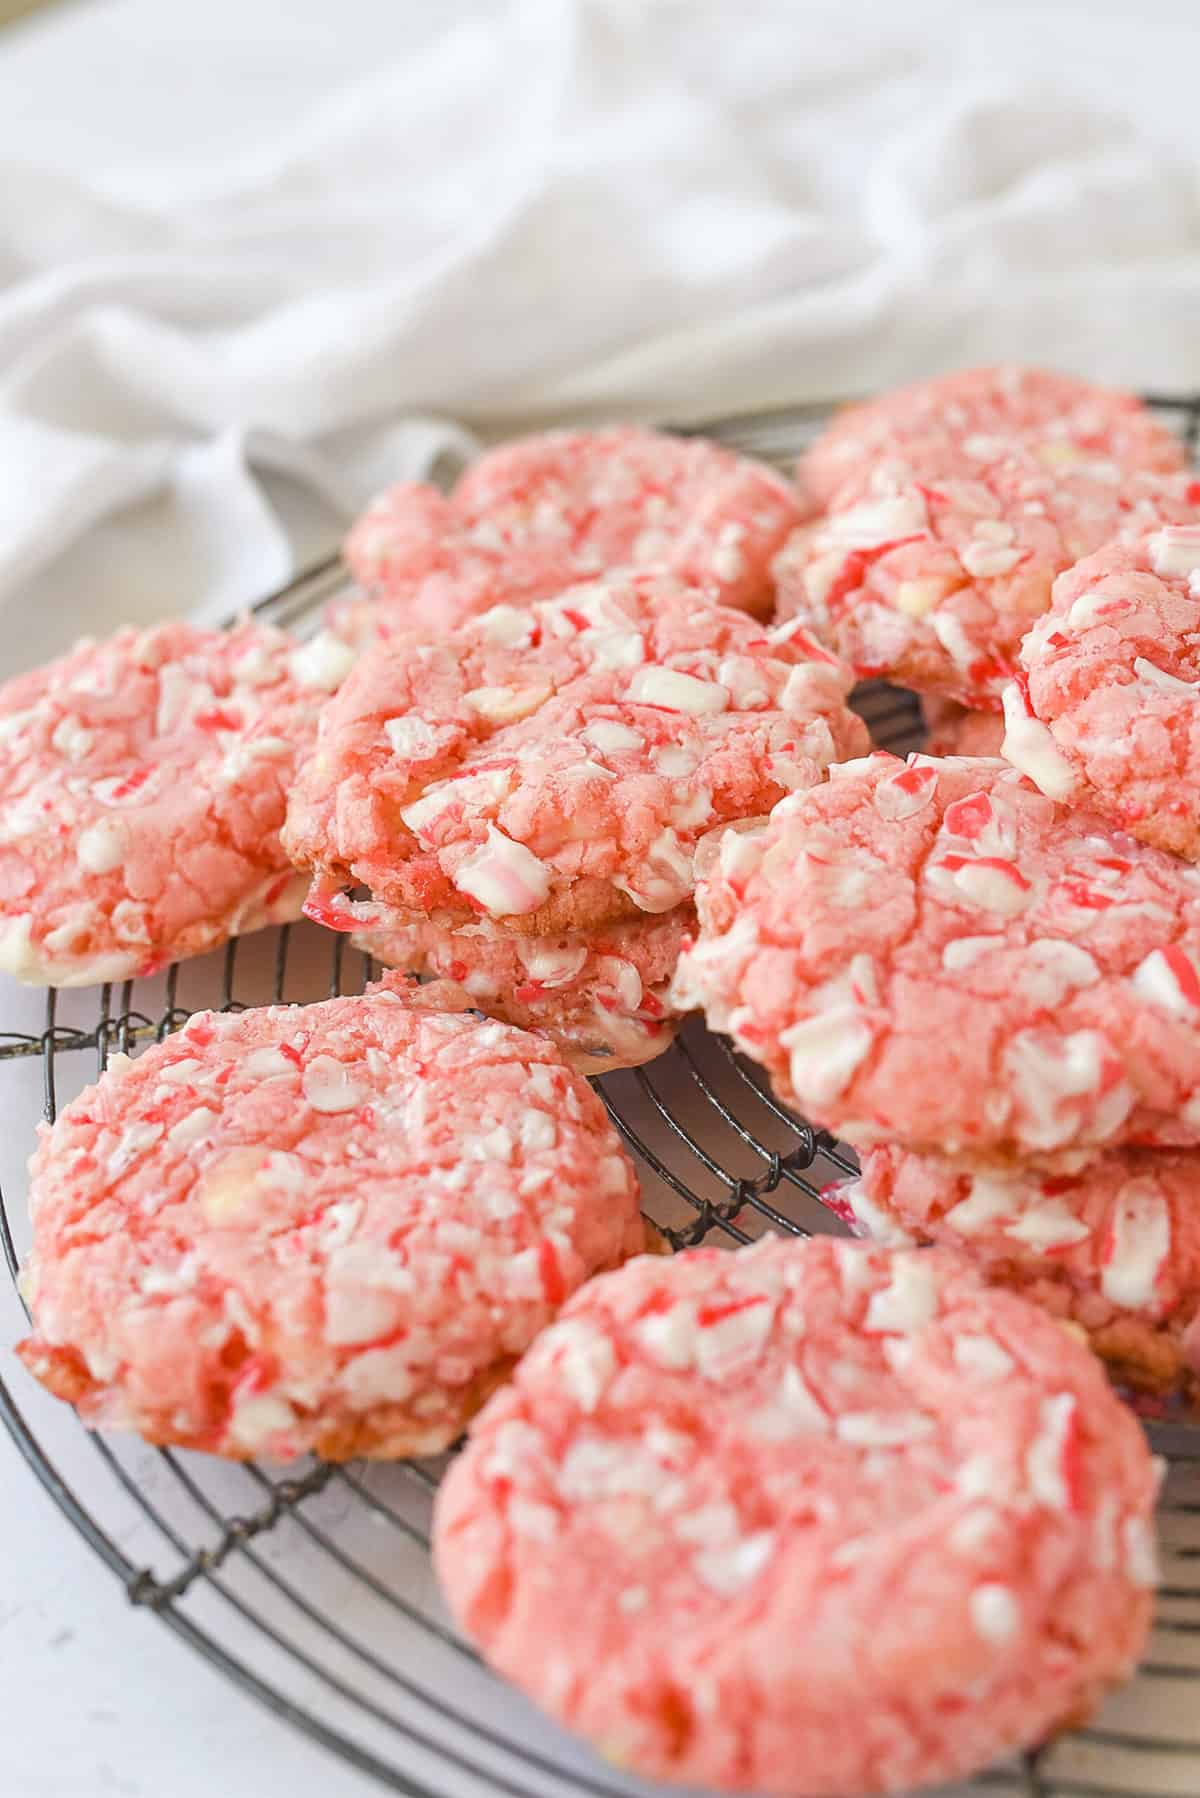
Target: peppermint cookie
[603, 996]
[1108, 711]
[935, 954]
[328, 1229]
[555, 766]
[930, 571]
[1115, 1248]
[143, 783]
[543, 513]
[955, 730]
[1061, 422]
[809, 1515]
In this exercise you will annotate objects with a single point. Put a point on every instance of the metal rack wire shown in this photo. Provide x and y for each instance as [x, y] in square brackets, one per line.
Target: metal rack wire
[313, 1590]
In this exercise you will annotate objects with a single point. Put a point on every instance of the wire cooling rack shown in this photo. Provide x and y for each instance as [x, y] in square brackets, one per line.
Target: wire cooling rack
[312, 1588]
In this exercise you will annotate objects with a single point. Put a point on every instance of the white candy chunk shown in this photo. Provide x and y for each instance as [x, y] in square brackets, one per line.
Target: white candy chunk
[1048, 1225]
[586, 1363]
[229, 1185]
[825, 1051]
[192, 1127]
[709, 1525]
[908, 1302]
[874, 522]
[179, 1073]
[255, 667]
[266, 1063]
[71, 739]
[667, 877]
[259, 1418]
[982, 1358]
[608, 735]
[1167, 683]
[1089, 608]
[965, 951]
[132, 1143]
[916, 598]
[1139, 1246]
[738, 1335]
[328, 1085]
[905, 794]
[987, 884]
[550, 963]
[1175, 549]
[1059, 454]
[883, 1429]
[1045, 1464]
[507, 705]
[101, 847]
[1051, 969]
[1048, 1070]
[729, 1570]
[177, 695]
[412, 737]
[671, 1336]
[529, 1518]
[952, 634]
[507, 878]
[617, 649]
[620, 977]
[990, 1198]
[356, 1312]
[793, 1411]
[675, 691]
[995, 1614]
[1141, 1557]
[509, 626]
[1030, 747]
[1169, 978]
[323, 662]
[986, 560]
[982, 448]
[871, 1220]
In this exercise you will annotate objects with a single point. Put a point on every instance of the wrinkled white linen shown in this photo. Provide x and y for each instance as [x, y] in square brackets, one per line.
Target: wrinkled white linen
[244, 243]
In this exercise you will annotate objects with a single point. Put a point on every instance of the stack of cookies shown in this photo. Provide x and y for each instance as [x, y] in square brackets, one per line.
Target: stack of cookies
[990, 984]
[511, 768]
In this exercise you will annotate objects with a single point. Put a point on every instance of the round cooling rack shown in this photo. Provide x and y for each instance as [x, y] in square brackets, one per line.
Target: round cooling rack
[312, 1588]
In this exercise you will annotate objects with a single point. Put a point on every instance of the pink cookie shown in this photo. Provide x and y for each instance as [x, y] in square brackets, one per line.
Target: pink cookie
[543, 513]
[935, 954]
[1107, 714]
[954, 730]
[1115, 1248]
[807, 1516]
[143, 783]
[930, 571]
[990, 412]
[602, 996]
[328, 1229]
[555, 766]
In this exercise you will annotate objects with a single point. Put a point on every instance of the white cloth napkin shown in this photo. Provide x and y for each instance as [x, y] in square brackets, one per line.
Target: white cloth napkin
[253, 253]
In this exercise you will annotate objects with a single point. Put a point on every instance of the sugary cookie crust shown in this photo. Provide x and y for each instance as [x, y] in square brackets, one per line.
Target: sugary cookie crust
[143, 783]
[542, 513]
[555, 766]
[934, 954]
[1115, 1247]
[328, 1228]
[732, 1500]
